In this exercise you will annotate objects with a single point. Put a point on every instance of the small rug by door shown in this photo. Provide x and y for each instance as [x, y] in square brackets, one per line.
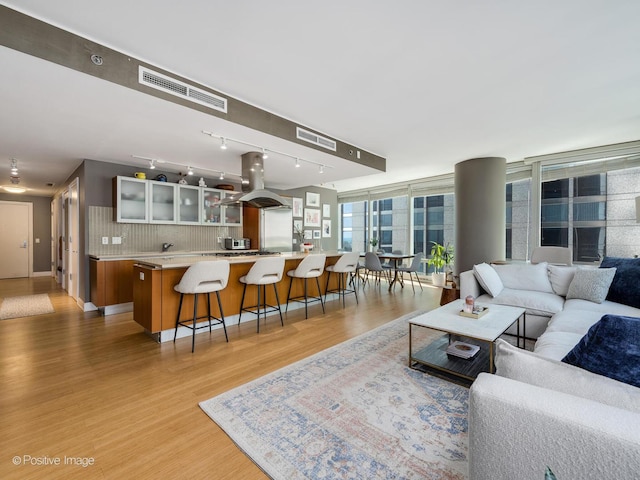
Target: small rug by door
[352, 411]
[25, 306]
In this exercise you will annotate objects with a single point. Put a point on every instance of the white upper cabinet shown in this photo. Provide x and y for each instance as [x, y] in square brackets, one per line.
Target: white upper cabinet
[131, 196]
[163, 202]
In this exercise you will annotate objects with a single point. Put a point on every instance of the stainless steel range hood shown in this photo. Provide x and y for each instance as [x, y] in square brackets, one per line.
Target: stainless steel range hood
[253, 191]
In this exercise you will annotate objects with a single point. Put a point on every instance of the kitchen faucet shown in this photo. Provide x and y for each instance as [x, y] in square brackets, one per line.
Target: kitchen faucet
[166, 246]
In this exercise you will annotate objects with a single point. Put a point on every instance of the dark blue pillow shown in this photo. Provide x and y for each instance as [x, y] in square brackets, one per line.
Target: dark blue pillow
[625, 287]
[610, 348]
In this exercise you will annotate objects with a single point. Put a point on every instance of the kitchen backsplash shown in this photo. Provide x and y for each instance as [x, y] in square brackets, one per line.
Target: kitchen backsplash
[145, 237]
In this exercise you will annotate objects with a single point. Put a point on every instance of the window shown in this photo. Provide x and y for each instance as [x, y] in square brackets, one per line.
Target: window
[432, 222]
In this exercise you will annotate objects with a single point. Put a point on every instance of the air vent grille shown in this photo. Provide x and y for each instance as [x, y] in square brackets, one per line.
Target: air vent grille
[316, 139]
[180, 89]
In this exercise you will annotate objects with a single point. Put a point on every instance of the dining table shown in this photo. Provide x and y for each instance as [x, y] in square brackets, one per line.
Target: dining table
[395, 259]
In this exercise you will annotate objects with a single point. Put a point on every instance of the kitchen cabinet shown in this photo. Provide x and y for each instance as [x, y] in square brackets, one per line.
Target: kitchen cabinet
[189, 205]
[151, 201]
[163, 202]
[131, 198]
[111, 282]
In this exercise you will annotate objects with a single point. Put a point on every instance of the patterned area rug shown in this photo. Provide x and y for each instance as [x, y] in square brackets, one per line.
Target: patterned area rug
[25, 306]
[353, 411]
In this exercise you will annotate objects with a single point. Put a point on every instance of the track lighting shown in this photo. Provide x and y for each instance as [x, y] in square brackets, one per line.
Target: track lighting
[14, 166]
[189, 171]
[221, 175]
[321, 169]
[223, 143]
[297, 163]
[264, 154]
[152, 164]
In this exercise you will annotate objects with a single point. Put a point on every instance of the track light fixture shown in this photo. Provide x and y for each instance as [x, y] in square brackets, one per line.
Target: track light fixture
[152, 164]
[14, 166]
[221, 175]
[189, 171]
[224, 140]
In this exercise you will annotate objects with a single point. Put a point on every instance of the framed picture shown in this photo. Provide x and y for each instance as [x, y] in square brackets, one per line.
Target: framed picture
[297, 207]
[326, 210]
[308, 234]
[316, 234]
[297, 226]
[326, 228]
[311, 217]
[313, 199]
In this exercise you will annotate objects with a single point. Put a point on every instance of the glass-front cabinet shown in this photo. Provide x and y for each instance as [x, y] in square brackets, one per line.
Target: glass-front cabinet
[212, 211]
[151, 201]
[189, 204]
[163, 197]
[131, 200]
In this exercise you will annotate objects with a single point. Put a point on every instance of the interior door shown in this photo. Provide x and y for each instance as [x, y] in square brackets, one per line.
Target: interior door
[73, 239]
[15, 239]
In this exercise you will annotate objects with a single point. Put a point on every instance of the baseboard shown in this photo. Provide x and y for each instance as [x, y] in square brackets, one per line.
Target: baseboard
[42, 274]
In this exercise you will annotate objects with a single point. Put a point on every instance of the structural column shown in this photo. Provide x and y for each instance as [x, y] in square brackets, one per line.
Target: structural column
[480, 219]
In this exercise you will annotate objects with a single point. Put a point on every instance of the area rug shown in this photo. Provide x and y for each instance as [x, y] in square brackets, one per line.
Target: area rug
[25, 306]
[353, 411]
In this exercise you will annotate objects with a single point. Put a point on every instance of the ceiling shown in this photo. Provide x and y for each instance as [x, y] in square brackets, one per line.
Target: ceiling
[424, 84]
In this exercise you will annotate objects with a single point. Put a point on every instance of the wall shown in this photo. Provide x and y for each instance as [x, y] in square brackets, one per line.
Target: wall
[41, 228]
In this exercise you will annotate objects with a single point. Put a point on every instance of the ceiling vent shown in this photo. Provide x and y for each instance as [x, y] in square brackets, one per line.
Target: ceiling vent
[316, 139]
[180, 89]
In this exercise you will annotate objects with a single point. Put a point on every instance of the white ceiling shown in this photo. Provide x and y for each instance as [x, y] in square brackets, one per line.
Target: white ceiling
[425, 84]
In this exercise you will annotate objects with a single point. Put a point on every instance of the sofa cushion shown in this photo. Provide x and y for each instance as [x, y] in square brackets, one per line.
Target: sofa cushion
[560, 278]
[525, 276]
[625, 287]
[556, 345]
[528, 367]
[580, 306]
[535, 303]
[611, 348]
[578, 322]
[591, 284]
[488, 278]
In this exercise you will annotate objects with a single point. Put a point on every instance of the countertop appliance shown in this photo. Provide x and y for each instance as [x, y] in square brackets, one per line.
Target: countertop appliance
[237, 243]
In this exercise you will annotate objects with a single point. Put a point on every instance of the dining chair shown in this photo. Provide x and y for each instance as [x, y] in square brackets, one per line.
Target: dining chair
[373, 266]
[414, 268]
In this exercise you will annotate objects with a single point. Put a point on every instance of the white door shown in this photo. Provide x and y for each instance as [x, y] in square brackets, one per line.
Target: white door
[73, 239]
[15, 239]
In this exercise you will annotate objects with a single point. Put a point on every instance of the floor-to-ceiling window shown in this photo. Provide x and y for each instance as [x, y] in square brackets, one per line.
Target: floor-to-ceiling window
[432, 222]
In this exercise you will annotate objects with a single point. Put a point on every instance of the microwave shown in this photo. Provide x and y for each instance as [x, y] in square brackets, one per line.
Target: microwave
[237, 243]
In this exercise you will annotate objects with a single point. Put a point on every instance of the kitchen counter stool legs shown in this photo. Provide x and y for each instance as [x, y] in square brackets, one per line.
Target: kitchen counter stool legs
[203, 277]
[346, 264]
[311, 266]
[265, 271]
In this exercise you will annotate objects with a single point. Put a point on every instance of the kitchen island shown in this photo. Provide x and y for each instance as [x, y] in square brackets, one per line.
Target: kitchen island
[155, 302]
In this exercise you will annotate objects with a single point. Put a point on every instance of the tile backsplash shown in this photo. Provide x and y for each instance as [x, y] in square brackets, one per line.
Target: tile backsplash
[146, 237]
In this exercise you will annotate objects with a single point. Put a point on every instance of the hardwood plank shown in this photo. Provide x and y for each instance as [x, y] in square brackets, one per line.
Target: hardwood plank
[82, 385]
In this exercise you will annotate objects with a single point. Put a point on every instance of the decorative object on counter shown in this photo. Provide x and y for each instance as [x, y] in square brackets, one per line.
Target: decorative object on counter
[469, 303]
[306, 247]
[441, 258]
[140, 175]
[201, 182]
[476, 313]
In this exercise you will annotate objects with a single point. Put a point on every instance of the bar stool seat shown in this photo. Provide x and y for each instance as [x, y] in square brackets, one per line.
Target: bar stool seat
[346, 265]
[265, 271]
[202, 277]
[311, 266]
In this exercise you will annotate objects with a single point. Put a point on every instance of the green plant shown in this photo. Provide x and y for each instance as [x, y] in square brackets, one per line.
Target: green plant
[373, 242]
[441, 256]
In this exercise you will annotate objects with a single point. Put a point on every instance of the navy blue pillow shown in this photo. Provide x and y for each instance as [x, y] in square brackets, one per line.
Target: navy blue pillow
[625, 287]
[610, 348]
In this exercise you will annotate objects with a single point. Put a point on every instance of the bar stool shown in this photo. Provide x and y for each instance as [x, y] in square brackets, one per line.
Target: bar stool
[345, 265]
[311, 266]
[202, 277]
[265, 271]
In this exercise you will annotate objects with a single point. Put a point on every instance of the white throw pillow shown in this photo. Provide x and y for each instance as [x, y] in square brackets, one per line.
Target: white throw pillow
[591, 284]
[488, 278]
[525, 276]
[528, 367]
[560, 277]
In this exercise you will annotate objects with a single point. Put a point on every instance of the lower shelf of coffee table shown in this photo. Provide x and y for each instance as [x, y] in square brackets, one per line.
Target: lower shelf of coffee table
[434, 356]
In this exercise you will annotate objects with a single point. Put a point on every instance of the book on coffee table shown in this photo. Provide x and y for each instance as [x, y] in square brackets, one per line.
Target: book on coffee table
[462, 349]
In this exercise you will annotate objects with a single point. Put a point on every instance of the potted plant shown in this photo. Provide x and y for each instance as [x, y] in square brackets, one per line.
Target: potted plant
[441, 257]
[374, 243]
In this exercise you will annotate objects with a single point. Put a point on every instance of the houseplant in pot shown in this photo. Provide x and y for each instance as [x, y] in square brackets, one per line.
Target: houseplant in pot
[441, 258]
[374, 243]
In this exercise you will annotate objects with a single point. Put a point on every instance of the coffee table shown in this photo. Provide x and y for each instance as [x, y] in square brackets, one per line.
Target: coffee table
[483, 332]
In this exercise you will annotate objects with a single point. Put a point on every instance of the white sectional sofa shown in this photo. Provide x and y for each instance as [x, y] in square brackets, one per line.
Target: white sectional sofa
[538, 411]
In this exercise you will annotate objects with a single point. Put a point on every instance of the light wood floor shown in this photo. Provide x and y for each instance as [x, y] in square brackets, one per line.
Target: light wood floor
[79, 384]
